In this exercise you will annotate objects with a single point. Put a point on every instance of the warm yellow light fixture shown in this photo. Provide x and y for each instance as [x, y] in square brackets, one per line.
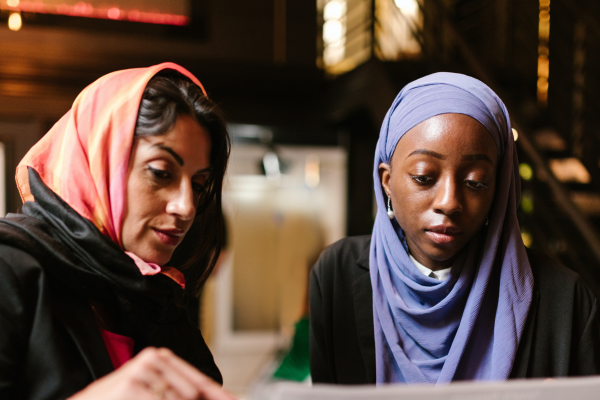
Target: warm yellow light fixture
[525, 171]
[410, 7]
[527, 203]
[543, 52]
[12, 3]
[14, 21]
[527, 238]
[570, 170]
[333, 30]
[335, 9]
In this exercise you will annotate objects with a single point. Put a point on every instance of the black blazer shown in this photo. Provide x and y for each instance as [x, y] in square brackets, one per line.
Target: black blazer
[561, 337]
[50, 344]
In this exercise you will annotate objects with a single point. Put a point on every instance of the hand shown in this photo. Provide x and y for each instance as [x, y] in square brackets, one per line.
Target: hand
[151, 375]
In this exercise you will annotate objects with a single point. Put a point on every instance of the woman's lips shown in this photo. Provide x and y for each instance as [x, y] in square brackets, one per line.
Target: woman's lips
[443, 234]
[168, 236]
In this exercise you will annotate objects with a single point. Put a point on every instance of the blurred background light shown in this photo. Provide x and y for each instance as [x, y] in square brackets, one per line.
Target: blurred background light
[174, 12]
[525, 171]
[15, 22]
[515, 134]
[587, 202]
[409, 7]
[114, 13]
[335, 9]
[312, 173]
[334, 53]
[527, 203]
[570, 170]
[549, 140]
[527, 238]
[543, 51]
[333, 30]
[271, 165]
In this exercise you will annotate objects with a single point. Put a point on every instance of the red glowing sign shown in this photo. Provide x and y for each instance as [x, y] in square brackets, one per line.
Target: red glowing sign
[172, 12]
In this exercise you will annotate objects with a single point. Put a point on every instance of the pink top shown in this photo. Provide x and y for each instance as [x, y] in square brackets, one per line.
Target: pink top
[120, 348]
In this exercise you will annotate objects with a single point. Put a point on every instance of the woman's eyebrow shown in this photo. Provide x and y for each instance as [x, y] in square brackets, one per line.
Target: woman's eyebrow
[204, 170]
[176, 156]
[427, 153]
[477, 157]
[471, 157]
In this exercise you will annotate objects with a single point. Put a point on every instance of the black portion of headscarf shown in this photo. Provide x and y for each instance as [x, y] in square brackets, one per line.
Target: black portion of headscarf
[72, 251]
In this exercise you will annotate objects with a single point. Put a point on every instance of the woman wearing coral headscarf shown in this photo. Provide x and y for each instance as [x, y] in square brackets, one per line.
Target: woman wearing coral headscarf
[120, 196]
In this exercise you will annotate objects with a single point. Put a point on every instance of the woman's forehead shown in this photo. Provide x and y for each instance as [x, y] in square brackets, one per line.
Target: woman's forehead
[446, 134]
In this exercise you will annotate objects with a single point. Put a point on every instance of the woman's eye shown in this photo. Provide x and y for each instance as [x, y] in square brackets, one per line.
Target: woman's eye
[198, 187]
[476, 184]
[421, 179]
[159, 173]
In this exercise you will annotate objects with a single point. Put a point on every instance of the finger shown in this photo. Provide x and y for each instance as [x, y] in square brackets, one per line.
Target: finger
[208, 388]
[155, 368]
[212, 391]
[185, 369]
[179, 383]
[115, 385]
[147, 375]
[138, 391]
[168, 394]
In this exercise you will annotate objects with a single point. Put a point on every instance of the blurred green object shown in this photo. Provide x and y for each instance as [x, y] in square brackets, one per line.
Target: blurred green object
[296, 363]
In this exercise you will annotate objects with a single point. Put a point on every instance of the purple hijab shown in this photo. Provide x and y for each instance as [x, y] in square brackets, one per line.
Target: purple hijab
[469, 326]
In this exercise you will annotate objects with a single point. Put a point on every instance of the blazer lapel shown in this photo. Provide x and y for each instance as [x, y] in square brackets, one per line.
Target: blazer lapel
[363, 308]
[78, 319]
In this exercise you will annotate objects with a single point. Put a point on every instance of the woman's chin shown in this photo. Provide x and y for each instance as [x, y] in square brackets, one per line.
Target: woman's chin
[154, 255]
[442, 259]
[160, 259]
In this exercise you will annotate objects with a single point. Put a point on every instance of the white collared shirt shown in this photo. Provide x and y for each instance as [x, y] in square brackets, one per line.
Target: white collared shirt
[440, 275]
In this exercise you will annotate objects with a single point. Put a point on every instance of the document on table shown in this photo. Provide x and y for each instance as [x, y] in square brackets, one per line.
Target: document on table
[548, 389]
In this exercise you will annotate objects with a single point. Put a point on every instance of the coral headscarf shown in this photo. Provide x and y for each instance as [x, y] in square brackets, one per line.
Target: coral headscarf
[84, 157]
[470, 325]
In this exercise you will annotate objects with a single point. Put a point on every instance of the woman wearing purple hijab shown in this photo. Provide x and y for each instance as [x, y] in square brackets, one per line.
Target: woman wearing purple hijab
[444, 289]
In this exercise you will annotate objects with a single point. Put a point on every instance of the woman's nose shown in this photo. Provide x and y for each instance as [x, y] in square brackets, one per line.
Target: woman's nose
[448, 199]
[182, 202]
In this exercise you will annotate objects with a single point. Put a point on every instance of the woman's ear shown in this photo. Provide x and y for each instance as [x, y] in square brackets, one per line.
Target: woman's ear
[385, 173]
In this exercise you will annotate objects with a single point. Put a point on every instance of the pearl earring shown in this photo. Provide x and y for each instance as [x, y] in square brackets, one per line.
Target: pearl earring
[390, 212]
